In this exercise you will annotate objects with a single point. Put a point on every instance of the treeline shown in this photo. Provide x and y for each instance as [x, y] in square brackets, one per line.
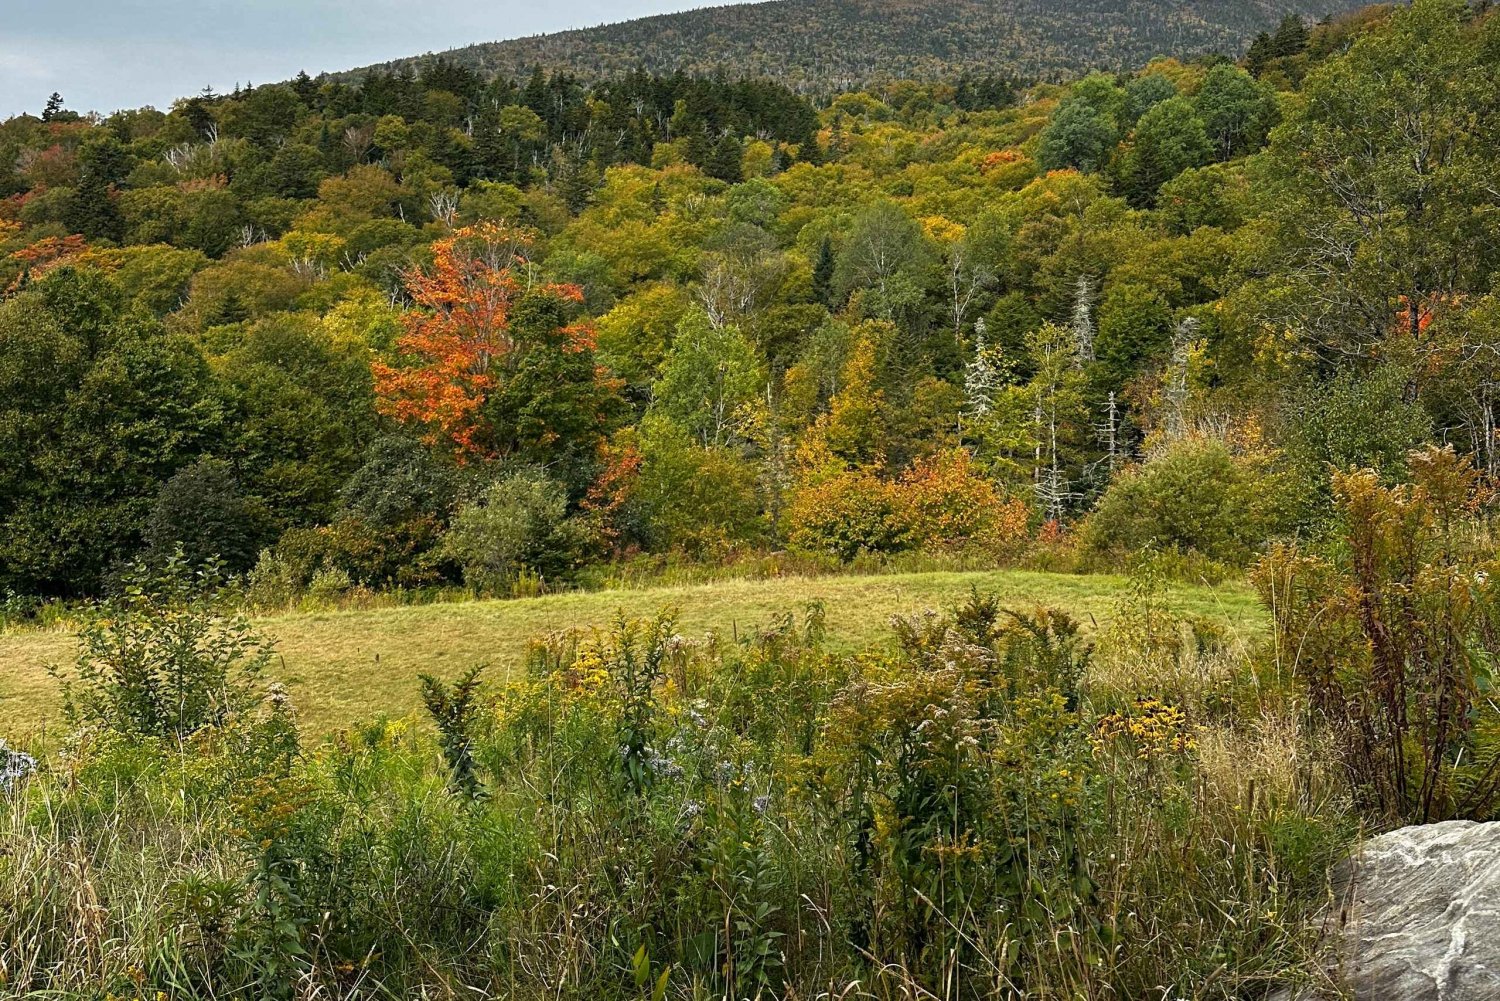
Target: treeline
[826, 47]
[344, 336]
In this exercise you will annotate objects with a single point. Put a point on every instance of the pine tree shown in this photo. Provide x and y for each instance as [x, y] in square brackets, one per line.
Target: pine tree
[728, 160]
[1262, 51]
[1291, 37]
[54, 108]
[823, 270]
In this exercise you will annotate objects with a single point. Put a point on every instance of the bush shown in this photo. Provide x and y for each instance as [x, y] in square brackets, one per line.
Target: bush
[848, 514]
[1197, 496]
[518, 526]
[942, 502]
[1396, 635]
[400, 481]
[948, 504]
[203, 512]
[165, 658]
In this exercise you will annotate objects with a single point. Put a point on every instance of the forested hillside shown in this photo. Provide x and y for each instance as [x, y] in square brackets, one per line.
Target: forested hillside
[274, 363]
[825, 46]
[433, 330]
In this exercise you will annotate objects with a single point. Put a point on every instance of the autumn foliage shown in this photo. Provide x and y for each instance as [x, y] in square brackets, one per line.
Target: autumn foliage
[940, 502]
[45, 254]
[459, 337]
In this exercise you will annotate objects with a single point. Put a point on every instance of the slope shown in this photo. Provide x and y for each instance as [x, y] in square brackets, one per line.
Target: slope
[829, 45]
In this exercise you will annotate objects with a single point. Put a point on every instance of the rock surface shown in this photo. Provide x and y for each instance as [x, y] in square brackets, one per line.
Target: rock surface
[1420, 919]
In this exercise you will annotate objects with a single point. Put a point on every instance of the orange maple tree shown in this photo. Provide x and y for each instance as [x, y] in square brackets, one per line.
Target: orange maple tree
[458, 337]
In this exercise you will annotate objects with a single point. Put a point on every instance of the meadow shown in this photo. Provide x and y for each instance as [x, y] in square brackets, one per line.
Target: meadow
[343, 666]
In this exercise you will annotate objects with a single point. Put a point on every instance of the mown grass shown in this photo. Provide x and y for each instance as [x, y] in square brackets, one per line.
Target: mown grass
[344, 666]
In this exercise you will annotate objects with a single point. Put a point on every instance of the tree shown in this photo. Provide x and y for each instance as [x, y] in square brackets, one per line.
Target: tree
[1144, 93]
[726, 163]
[1388, 170]
[303, 410]
[741, 272]
[710, 380]
[1135, 327]
[695, 499]
[400, 481]
[823, 272]
[102, 164]
[96, 411]
[489, 367]
[886, 253]
[1078, 137]
[1168, 139]
[1237, 112]
[1291, 37]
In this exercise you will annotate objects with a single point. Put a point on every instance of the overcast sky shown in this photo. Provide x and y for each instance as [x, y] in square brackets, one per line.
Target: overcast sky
[102, 55]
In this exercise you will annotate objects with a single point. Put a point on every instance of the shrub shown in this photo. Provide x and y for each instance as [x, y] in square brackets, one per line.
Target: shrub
[519, 525]
[847, 514]
[1395, 636]
[165, 657]
[947, 503]
[400, 481]
[1196, 496]
[203, 512]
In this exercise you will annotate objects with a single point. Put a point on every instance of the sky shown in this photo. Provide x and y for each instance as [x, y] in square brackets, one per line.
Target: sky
[103, 55]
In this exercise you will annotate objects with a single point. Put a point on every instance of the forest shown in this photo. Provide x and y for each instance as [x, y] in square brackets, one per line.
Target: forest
[825, 47]
[1218, 338]
[429, 332]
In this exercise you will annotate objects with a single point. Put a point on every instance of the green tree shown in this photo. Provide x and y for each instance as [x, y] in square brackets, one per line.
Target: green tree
[1386, 172]
[1237, 112]
[102, 164]
[888, 256]
[710, 380]
[1135, 327]
[96, 411]
[1169, 139]
[400, 481]
[304, 410]
[1078, 136]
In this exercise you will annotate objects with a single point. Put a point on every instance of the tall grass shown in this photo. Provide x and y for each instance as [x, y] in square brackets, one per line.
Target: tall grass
[988, 806]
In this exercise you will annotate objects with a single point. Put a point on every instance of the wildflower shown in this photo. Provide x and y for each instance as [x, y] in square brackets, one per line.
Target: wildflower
[760, 804]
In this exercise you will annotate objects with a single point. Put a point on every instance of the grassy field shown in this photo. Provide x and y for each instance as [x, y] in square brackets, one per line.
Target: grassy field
[347, 665]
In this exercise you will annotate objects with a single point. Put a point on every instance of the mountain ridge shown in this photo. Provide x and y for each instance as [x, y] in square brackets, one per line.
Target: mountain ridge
[833, 45]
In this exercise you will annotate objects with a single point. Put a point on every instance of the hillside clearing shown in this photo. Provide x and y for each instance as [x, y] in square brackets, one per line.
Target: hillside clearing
[343, 666]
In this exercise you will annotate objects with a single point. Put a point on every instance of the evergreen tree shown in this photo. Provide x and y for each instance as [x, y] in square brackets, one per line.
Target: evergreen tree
[823, 272]
[1291, 37]
[727, 161]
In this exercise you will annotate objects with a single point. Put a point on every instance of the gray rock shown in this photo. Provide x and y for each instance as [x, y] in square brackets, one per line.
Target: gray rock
[1420, 915]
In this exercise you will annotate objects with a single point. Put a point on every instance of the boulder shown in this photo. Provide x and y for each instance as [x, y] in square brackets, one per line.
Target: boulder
[1420, 915]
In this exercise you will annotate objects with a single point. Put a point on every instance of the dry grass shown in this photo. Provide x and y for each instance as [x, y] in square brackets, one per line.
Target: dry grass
[347, 665]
